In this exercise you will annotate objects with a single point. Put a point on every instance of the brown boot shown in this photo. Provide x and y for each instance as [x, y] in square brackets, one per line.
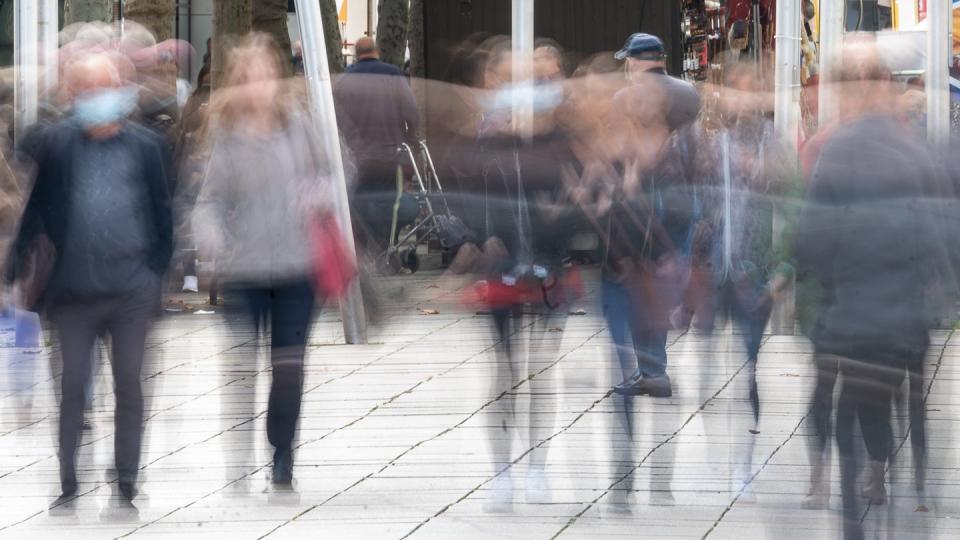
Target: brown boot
[875, 488]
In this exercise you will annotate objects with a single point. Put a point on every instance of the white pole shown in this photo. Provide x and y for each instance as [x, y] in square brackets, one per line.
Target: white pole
[317, 72]
[937, 75]
[48, 30]
[831, 42]
[786, 117]
[522, 41]
[786, 120]
[25, 60]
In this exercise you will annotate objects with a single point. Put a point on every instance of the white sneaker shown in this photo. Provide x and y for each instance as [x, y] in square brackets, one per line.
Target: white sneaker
[538, 487]
[190, 284]
[501, 495]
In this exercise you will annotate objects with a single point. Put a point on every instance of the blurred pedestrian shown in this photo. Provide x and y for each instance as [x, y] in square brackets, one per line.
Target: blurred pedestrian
[265, 183]
[101, 198]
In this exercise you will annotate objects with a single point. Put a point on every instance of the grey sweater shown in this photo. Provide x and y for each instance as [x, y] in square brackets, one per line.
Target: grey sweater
[257, 199]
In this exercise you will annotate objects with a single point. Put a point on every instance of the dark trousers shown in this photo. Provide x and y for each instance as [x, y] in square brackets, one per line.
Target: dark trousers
[127, 319]
[288, 309]
[865, 394]
[750, 306]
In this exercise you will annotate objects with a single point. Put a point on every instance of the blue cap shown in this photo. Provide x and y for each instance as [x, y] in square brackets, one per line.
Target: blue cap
[642, 45]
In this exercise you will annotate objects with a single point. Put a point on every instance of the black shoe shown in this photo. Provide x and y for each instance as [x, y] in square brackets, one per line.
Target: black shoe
[128, 491]
[65, 503]
[283, 468]
[658, 387]
[87, 426]
[629, 386]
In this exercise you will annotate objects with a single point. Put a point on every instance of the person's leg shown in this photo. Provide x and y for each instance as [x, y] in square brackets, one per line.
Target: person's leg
[822, 413]
[873, 412]
[918, 420]
[77, 327]
[846, 413]
[291, 312]
[128, 324]
[751, 311]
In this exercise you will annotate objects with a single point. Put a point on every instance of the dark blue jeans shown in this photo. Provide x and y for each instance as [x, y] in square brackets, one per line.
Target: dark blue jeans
[288, 309]
[647, 348]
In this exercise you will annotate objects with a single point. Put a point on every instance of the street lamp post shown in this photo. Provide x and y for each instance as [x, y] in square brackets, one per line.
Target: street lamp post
[937, 76]
[320, 87]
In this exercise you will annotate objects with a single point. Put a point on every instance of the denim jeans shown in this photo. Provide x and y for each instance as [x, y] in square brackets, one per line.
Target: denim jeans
[647, 348]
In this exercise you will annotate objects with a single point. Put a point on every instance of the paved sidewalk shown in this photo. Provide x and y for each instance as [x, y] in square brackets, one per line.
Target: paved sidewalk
[393, 439]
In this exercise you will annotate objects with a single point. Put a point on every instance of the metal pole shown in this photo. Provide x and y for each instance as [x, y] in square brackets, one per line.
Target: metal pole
[522, 42]
[786, 117]
[786, 120]
[831, 42]
[317, 73]
[49, 38]
[25, 60]
[937, 75]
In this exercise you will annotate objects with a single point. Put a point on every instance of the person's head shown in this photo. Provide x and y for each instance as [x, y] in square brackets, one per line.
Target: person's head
[547, 62]
[366, 48]
[642, 53]
[498, 68]
[99, 96]
[253, 80]
[809, 10]
[862, 79]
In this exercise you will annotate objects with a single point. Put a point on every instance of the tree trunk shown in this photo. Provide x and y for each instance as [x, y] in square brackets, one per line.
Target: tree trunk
[331, 33]
[417, 40]
[75, 11]
[156, 15]
[270, 17]
[392, 31]
[231, 20]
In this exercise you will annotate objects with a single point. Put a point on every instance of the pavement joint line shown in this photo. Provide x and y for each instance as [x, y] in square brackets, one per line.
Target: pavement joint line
[402, 347]
[659, 445]
[564, 429]
[906, 433]
[449, 429]
[302, 444]
[98, 485]
[756, 473]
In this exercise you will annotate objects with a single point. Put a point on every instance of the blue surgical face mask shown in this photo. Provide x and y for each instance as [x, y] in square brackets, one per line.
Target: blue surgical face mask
[105, 107]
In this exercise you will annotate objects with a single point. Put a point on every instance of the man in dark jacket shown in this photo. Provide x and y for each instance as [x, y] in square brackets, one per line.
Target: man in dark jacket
[377, 112]
[101, 199]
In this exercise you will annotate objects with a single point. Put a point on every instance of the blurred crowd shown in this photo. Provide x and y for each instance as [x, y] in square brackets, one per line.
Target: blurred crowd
[695, 213]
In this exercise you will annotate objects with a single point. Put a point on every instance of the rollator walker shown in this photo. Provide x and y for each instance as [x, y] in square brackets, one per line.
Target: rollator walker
[435, 220]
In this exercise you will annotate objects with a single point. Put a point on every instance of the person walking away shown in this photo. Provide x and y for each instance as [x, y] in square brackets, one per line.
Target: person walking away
[377, 112]
[864, 226]
[101, 197]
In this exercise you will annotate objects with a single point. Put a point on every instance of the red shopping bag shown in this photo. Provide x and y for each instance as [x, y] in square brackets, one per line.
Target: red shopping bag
[334, 266]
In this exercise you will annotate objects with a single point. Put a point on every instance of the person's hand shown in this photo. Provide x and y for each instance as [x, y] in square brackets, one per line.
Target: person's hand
[777, 287]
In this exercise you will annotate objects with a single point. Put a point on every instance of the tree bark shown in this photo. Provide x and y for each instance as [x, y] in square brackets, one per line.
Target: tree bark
[231, 20]
[331, 33]
[75, 11]
[417, 40]
[392, 31]
[270, 17]
[156, 15]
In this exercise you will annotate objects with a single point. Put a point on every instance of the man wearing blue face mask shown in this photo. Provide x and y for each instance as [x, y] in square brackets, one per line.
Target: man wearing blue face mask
[101, 199]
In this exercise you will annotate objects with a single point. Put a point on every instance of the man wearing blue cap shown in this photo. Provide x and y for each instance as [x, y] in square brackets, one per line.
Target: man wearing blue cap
[645, 54]
[641, 275]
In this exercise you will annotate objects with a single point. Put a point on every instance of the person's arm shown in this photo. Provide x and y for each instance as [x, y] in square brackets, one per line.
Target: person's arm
[160, 166]
[210, 210]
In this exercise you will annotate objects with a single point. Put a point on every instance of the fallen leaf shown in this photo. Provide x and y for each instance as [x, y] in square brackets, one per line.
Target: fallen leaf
[433, 286]
[922, 508]
[428, 311]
